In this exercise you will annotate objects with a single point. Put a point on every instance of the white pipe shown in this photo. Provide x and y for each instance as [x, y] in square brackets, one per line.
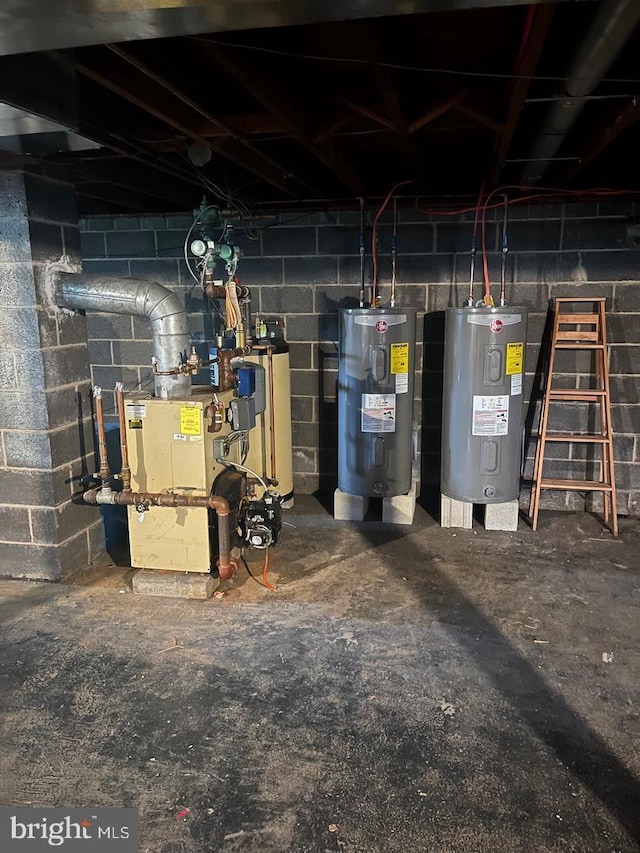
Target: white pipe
[139, 298]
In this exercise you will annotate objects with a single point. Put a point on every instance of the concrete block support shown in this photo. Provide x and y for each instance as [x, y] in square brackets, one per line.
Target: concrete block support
[400, 509]
[174, 584]
[348, 507]
[502, 516]
[455, 513]
[46, 437]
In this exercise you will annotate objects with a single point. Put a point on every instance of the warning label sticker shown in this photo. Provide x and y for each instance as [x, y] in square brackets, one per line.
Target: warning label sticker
[399, 358]
[190, 417]
[516, 384]
[136, 411]
[402, 383]
[378, 413]
[515, 356]
[491, 415]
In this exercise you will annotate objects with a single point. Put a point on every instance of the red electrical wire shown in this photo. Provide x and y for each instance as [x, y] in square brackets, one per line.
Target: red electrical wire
[374, 235]
[540, 193]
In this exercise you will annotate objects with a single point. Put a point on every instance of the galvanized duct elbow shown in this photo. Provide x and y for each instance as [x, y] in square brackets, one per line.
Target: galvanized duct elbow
[612, 26]
[139, 298]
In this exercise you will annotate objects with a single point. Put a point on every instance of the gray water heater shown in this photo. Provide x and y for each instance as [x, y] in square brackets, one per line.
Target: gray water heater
[482, 417]
[375, 400]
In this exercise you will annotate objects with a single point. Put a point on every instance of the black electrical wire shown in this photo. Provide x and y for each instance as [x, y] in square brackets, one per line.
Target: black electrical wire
[417, 68]
[250, 573]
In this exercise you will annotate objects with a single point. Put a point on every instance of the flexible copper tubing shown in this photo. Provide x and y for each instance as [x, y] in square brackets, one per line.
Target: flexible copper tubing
[226, 566]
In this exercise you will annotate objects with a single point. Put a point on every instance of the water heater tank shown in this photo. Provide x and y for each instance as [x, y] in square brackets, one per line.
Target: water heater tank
[375, 400]
[482, 417]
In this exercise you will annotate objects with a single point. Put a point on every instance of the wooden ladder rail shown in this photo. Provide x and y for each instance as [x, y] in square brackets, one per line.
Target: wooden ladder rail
[594, 340]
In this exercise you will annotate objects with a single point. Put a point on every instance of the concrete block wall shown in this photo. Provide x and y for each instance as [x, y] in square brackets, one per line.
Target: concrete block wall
[46, 440]
[306, 266]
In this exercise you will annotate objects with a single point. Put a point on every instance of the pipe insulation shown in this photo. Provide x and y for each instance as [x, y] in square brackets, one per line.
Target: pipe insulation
[613, 24]
[139, 298]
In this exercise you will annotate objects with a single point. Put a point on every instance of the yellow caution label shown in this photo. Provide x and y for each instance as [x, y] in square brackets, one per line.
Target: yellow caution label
[399, 358]
[515, 358]
[190, 420]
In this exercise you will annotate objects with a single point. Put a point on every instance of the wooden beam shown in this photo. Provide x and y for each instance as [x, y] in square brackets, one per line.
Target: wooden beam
[368, 42]
[606, 132]
[521, 83]
[479, 117]
[124, 90]
[247, 156]
[275, 100]
[332, 127]
[369, 113]
[245, 125]
[437, 111]
[136, 152]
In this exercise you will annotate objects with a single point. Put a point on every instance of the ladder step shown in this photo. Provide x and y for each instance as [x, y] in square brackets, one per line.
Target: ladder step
[568, 337]
[584, 345]
[575, 301]
[576, 485]
[583, 439]
[577, 319]
[570, 395]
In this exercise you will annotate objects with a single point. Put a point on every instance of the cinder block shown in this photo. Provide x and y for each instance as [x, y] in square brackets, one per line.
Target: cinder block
[400, 509]
[29, 562]
[348, 507]
[502, 516]
[455, 513]
[174, 584]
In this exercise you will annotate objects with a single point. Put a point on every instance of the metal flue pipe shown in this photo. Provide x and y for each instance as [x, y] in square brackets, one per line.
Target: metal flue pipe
[139, 298]
[613, 24]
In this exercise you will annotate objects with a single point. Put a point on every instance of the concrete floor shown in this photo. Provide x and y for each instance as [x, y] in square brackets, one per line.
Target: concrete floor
[405, 689]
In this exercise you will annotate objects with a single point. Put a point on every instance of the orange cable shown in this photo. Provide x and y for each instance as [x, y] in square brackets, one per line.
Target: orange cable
[265, 579]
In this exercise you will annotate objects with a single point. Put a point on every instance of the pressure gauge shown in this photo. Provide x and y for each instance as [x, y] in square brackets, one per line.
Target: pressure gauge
[199, 248]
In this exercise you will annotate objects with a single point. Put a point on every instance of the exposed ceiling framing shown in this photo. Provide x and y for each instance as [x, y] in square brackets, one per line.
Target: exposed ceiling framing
[328, 111]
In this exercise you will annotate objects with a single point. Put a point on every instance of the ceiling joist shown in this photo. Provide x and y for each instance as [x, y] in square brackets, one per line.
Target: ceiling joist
[274, 99]
[519, 89]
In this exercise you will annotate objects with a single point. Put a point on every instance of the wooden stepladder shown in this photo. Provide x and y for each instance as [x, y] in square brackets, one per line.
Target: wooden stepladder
[576, 329]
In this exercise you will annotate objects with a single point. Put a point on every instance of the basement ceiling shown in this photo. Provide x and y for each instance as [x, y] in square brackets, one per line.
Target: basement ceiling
[325, 112]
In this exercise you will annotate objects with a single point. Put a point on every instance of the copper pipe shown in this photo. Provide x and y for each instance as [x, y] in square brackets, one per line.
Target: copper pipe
[214, 291]
[104, 472]
[125, 471]
[225, 373]
[226, 566]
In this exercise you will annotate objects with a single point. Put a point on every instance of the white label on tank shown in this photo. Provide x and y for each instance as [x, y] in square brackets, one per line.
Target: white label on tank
[373, 320]
[491, 415]
[402, 383]
[378, 413]
[177, 436]
[516, 384]
[136, 411]
[488, 319]
[195, 438]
